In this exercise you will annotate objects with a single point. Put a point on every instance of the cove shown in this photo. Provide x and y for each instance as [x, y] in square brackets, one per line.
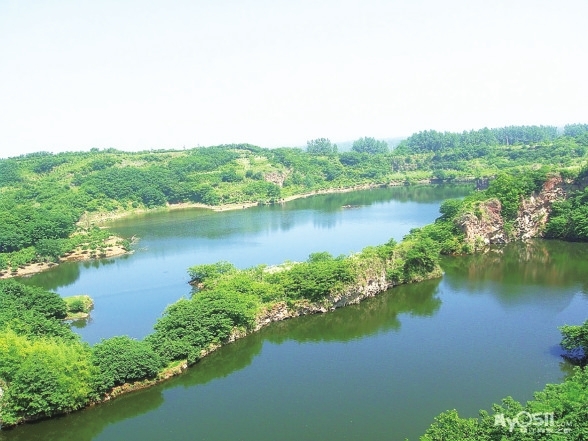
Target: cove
[378, 370]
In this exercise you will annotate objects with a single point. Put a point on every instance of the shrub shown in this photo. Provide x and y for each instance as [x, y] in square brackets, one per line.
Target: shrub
[316, 280]
[200, 273]
[121, 360]
[190, 326]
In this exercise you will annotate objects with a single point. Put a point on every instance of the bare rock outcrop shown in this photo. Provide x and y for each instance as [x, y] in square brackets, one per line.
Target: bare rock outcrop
[275, 178]
[534, 211]
[350, 296]
[486, 226]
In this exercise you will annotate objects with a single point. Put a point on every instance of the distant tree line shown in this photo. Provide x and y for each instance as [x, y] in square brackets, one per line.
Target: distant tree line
[434, 141]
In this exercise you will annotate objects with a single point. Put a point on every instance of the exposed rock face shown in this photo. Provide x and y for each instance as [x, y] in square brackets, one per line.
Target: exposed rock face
[352, 295]
[275, 178]
[487, 226]
[534, 211]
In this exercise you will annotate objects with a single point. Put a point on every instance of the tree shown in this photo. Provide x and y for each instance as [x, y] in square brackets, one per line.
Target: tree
[50, 248]
[17, 299]
[316, 279]
[46, 376]
[321, 146]
[449, 426]
[9, 172]
[121, 360]
[200, 273]
[575, 341]
[188, 327]
[450, 208]
[370, 145]
[421, 258]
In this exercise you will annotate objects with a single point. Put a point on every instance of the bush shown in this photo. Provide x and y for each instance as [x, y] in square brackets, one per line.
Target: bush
[317, 279]
[77, 305]
[575, 342]
[190, 326]
[421, 258]
[122, 360]
[46, 377]
[16, 299]
[200, 273]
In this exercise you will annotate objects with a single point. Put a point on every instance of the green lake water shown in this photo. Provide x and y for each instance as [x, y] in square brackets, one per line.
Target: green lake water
[380, 370]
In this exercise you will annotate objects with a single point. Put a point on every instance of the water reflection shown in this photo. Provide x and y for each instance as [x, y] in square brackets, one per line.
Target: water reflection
[375, 363]
[513, 268]
[67, 273]
[87, 424]
[372, 316]
[319, 210]
[170, 242]
[417, 193]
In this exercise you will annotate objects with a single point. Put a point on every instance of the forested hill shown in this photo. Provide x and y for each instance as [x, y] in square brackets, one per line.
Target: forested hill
[44, 195]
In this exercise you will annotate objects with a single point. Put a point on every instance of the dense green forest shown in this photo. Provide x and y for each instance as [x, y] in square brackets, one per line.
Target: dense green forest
[47, 200]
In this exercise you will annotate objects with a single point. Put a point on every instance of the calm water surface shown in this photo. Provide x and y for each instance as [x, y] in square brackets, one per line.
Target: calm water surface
[131, 292]
[380, 370]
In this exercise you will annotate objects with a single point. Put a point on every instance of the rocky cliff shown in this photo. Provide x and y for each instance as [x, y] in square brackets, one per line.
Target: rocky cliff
[486, 226]
[351, 295]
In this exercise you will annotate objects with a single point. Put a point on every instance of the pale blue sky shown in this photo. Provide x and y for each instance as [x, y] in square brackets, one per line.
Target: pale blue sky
[166, 74]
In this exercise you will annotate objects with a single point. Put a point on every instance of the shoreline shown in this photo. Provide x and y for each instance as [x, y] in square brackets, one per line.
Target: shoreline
[353, 294]
[100, 219]
[113, 250]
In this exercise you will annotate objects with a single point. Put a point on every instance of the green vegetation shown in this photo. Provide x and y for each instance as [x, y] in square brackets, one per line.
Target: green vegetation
[569, 217]
[370, 145]
[121, 360]
[315, 279]
[78, 306]
[189, 327]
[43, 364]
[230, 300]
[46, 202]
[65, 186]
[487, 151]
[558, 412]
[44, 376]
[46, 370]
[321, 146]
[575, 342]
[43, 196]
[200, 273]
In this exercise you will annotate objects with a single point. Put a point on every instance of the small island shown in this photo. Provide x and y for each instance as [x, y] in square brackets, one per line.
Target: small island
[78, 307]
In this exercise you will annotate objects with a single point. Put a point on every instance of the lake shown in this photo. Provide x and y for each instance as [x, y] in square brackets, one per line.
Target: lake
[375, 371]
